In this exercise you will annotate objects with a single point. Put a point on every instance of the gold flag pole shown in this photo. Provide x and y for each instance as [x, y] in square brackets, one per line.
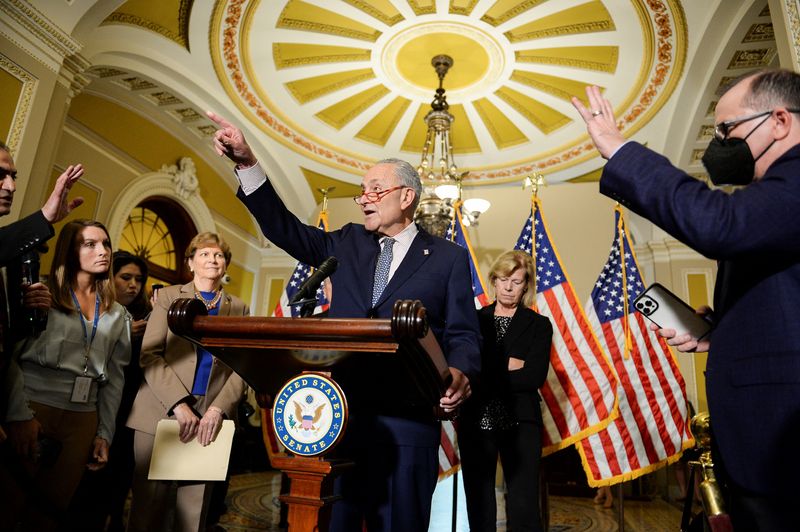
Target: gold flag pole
[626, 326]
[325, 192]
[534, 181]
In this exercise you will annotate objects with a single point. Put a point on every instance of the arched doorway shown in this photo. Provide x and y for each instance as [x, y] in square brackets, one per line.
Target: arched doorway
[159, 229]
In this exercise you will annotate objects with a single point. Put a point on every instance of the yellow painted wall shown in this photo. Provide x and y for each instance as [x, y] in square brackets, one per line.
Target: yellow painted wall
[241, 284]
[275, 289]
[10, 89]
[698, 296]
[147, 143]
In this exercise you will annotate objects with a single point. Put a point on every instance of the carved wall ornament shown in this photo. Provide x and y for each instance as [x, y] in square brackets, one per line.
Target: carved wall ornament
[184, 177]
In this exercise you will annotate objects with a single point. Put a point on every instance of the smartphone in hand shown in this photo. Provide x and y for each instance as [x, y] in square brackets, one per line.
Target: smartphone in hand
[668, 311]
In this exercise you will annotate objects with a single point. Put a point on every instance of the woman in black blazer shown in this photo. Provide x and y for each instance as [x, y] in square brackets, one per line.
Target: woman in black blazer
[504, 415]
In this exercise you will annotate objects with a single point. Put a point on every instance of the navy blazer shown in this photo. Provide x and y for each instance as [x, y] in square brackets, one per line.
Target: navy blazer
[753, 371]
[434, 270]
[18, 237]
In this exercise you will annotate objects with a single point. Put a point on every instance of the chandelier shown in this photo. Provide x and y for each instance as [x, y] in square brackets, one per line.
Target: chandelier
[442, 194]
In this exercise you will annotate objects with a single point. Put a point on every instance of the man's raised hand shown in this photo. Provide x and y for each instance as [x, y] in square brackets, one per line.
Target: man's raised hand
[230, 142]
[600, 122]
[56, 208]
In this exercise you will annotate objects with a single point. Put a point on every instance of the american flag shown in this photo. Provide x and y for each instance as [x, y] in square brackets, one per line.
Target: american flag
[457, 234]
[580, 389]
[652, 428]
[449, 460]
[299, 275]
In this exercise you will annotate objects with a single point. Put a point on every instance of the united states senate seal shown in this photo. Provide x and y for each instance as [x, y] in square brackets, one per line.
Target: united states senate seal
[309, 414]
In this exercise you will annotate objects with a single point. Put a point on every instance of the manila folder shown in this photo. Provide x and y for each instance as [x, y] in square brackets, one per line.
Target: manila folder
[174, 460]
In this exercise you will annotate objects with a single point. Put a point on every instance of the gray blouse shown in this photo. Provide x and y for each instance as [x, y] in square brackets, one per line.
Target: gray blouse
[49, 364]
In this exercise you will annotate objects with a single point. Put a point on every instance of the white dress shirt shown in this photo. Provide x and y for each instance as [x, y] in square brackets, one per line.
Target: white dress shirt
[250, 178]
[402, 243]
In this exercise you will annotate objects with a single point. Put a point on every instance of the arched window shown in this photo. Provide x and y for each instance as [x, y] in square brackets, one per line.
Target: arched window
[159, 229]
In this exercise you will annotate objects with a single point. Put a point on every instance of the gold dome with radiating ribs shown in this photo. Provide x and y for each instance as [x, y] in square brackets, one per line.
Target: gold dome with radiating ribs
[347, 82]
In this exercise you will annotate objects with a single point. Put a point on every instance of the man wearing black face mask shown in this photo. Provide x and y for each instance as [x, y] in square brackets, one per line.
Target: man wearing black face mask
[753, 371]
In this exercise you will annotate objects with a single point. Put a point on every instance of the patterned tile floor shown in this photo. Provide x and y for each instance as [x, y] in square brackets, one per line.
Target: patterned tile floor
[253, 506]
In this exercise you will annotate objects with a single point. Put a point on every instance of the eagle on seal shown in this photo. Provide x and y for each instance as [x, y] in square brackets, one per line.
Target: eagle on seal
[307, 420]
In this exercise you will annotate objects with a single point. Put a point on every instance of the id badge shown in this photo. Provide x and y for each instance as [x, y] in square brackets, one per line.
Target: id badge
[81, 389]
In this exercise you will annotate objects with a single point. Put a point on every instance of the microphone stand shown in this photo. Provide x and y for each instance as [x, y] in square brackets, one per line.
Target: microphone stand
[307, 306]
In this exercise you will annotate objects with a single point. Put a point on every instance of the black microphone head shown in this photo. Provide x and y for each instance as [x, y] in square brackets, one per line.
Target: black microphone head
[310, 285]
[328, 266]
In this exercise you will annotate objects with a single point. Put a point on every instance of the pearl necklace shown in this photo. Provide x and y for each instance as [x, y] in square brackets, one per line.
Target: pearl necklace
[209, 304]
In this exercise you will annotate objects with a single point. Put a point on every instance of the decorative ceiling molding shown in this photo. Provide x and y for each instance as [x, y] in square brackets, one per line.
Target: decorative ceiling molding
[462, 7]
[159, 99]
[793, 14]
[590, 17]
[28, 87]
[502, 12]
[600, 58]
[382, 10]
[72, 75]
[43, 39]
[759, 33]
[147, 21]
[287, 55]
[515, 119]
[299, 15]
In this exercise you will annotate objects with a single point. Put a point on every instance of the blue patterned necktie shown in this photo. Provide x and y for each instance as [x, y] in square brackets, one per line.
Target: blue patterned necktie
[382, 270]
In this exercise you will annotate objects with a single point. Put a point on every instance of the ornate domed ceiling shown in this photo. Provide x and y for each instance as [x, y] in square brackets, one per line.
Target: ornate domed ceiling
[348, 82]
[324, 88]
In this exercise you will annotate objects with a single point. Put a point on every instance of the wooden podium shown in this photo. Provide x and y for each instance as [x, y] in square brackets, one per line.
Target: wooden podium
[266, 352]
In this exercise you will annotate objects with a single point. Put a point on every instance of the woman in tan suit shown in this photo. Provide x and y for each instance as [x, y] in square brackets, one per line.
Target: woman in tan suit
[184, 383]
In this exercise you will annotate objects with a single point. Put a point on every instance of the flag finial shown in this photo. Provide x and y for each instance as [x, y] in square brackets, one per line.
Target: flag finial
[534, 181]
[325, 192]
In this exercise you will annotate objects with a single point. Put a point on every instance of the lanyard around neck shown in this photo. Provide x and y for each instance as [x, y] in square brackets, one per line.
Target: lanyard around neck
[87, 340]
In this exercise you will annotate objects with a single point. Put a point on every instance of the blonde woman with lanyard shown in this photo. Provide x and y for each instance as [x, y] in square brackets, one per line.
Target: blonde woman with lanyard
[184, 383]
[68, 384]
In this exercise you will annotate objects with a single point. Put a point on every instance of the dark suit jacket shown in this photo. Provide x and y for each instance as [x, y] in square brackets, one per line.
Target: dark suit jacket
[22, 235]
[15, 239]
[753, 371]
[529, 337]
[434, 271]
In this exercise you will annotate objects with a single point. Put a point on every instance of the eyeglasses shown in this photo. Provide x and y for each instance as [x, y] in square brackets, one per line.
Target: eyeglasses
[375, 197]
[723, 129]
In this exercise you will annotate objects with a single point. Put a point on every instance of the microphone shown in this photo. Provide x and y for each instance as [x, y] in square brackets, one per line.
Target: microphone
[35, 319]
[309, 287]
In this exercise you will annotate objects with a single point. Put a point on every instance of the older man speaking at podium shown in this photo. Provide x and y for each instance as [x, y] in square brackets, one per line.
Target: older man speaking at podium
[385, 259]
